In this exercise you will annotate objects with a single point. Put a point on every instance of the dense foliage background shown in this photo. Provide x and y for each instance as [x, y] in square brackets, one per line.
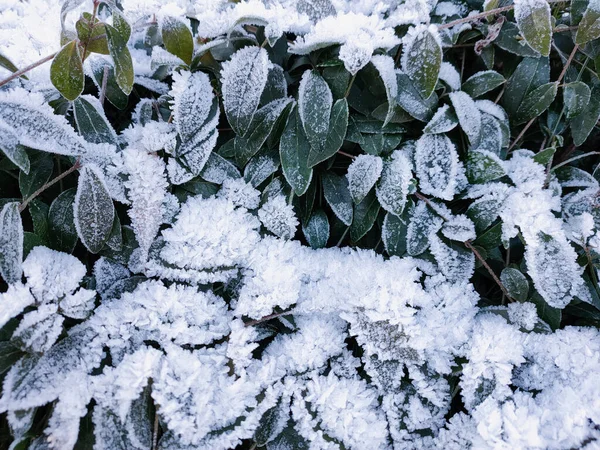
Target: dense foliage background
[164, 145]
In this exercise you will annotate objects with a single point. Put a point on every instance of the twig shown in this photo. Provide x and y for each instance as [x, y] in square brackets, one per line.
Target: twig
[25, 202]
[18, 73]
[521, 134]
[155, 432]
[575, 158]
[483, 15]
[266, 318]
[568, 63]
[346, 154]
[350, 86]
[489, 269]
[104, 83]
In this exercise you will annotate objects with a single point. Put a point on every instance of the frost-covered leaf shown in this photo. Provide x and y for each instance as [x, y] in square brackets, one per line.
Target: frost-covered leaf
[66, 71]
[243, 80]
[515, 283]
[39, 329]
[574, 177]
[36, 125]
[315, 102]
[114, 94]
[385, 66]
[289, 438]
[459, 228]
[61, 222]
[423, 224]
[491, 136]
[483, 82]
[395, 183]
[363, 173]
[536, 102]
[443, 120]
[177, 38]
[411, 100]
[583, 124]
[456, 262]
[436, 165]
[316, 229]
[338, 125]
[218, 169]
[422, 57]
[92, 33]
[365, 214]
[119, 52]
[261, 166]
[589, 25]
[91, 121]
[264, 122]
[552, 265]
[41, 167]
[337, 194]
[316, 9]
[484, 166]
[11, 242]
[9, 145]
[576, 97]
[278, 217]
[293, 151]
[93, 210]
[533, 19]
[468, 114]
[393, 234]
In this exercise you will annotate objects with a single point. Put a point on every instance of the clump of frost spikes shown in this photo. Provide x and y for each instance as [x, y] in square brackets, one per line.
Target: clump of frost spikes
[205, 377]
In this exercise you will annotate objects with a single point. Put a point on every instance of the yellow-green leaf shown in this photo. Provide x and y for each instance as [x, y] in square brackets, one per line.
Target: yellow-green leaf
[66, 71]
[533, 19]
[589, 26]
[92, 34]
[178, 39]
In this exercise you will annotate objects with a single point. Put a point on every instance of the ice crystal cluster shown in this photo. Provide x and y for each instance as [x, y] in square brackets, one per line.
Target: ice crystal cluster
[297, 224]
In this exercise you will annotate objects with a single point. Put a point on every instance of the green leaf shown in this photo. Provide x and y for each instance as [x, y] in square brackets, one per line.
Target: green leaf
[412, 102]
[114, 94]
[315, 102]
[529, 74]
[589, 26]
[7, 64]
[119, 52]
[293, 151]
[91, 121]
[365, 214]
[337, 195]
[483, 82]
[270, 424]
[120, 24]
[40, 172]
[393, 234]
[39, 217]
[218, 169]
[115, 239]
[583, 124]
[30, 240]
[177, 38]
[484, 166]
[9, 145]
[511, 41]
[316, 229]
[533, 19]
[9, 354]
[63, 234]
[576, 97]
[261, 166]
[443, 120]
[11, 243]
[422, 60]
[92, 34]
[545, 156]
[262, 125]
[66, 71]
[515, 283]
[338, 125]
[93, 210]
[536, 102]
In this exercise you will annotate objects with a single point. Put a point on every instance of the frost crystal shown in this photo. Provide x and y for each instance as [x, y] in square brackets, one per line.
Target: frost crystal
[394, 185]
[278, 217]
[437, 165]
[362, 175]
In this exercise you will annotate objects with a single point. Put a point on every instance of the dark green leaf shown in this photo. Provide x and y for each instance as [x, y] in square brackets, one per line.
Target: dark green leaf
[335, 190]
[114, 94]
[422, 60]
[66, 71]
[365, 214]
[545, 156]
[576, 97]
[444, 120]
[536, 102]
[582, 125]
[483, 166]
[552, 316]
[9, 354]
[316, 229]
[411, 100]
[530, 73]
[9, 145]
[511, 41]
[288, 439]
[40, 172]
[39, 217]
[11, 243]
[393, 234]
[293, 151]
[483, 82]
[338, 124]
[515, 283]
[93, 210]
[315, 102]
[261, 166]
[533, 19]
[63, 234]
[91, 121]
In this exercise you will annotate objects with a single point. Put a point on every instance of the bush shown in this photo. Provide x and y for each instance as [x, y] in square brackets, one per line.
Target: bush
[300, 224]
